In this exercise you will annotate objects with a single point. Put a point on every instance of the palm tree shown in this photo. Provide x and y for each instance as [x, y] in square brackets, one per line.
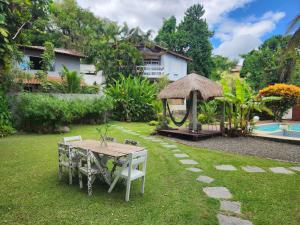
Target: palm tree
[72, 80]
[294, 42]
[289, 58]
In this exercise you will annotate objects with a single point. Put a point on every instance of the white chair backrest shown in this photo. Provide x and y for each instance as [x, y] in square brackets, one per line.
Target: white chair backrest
[73, 138]
[137, 158]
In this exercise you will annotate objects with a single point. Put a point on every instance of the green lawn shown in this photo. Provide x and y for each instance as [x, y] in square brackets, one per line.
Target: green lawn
[30, 192]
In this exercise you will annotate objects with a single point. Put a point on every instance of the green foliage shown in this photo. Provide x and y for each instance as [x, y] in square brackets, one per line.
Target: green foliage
[90, 89]
[162, 82]
[48, 57]
[153, 123]
[5, 117]
[221, 64]
[240, 104]
[190, 37]
[44, 113]
[133, 98]
[72, 80]
[269, 64]
[208, 112]
[41, 113]
[122, 57]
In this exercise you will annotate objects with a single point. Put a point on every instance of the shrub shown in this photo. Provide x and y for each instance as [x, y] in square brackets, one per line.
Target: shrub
[41, 113]
[90, 110]
[290, 95]
[208, 112]
[5, 118]
[46, 114]
[153, 123]
[133, 99]
[92, 89]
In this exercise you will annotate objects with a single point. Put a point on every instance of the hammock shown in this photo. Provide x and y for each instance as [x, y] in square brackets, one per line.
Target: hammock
[180, 123]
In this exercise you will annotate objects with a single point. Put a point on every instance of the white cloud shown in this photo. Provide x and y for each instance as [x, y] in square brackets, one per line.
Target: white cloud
[237, 37]
[241, 37]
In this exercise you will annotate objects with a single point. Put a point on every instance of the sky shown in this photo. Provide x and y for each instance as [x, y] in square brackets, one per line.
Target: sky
[238, 25]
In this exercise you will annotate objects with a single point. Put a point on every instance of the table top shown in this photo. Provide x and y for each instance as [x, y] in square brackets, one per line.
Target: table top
[112, 149]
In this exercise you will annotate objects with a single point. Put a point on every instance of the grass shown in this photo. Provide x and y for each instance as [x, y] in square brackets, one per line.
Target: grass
[30, 192]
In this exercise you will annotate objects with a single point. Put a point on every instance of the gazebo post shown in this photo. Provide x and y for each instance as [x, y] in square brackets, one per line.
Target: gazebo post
[194, 112]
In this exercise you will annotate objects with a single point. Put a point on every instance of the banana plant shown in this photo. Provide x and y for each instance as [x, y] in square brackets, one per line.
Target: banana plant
[240, 103]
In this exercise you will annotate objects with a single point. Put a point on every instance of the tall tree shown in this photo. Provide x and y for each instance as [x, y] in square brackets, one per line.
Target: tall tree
[265, 65]
[190, 37]
[220, 65]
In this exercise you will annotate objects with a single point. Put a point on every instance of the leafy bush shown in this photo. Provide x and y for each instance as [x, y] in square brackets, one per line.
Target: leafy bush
[46, 114]
[133, 98]
[153, 123]
[92, 89]
[71, 80]
[208, 112]
[5, 118]
[290, 95]
[90, 110]
[41, 113]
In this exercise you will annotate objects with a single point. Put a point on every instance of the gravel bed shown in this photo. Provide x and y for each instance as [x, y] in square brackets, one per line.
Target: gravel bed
[250, 146]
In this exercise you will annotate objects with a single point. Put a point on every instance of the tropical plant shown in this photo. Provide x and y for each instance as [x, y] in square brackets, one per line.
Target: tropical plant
[294, 42]
[208, 112]
[240, 105]
[133, 98]
[289, 94]
[71, 80]
[5, 117]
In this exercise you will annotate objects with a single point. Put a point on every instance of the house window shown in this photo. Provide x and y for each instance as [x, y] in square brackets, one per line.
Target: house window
[151, 62]
[35, 63]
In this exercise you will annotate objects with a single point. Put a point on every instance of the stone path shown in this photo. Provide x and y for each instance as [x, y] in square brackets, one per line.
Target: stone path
[281, 170]
[253, 169]
[205, 179]
[220, 193]
[217, 192]
[193, 169]
[225, 167]
[230, 220]
[181, 155]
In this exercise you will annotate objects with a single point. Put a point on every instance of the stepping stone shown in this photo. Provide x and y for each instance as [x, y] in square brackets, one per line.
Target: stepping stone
[296, 168]
[253, 169]
[205, 179]
[176, 150]
[231, 220]
[281, 170]
[188, 162]
[217, 192]
[169, 146]
[230, 206]
[194, 169]
[181, 155]
[225, 167]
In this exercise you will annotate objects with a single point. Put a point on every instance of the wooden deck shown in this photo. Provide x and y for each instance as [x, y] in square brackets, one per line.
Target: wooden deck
[188, 135]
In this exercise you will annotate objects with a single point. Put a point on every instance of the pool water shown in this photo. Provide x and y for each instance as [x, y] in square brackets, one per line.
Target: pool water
[293, 130]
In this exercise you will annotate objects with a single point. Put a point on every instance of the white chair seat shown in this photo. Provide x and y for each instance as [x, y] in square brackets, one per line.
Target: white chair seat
[94, 170]
[134, 173]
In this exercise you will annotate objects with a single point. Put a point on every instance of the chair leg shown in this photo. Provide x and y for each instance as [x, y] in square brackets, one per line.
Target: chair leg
[113, 184]
[143, 185]
[127, 190]
[80, 180]
[70, 175]
[89, 184]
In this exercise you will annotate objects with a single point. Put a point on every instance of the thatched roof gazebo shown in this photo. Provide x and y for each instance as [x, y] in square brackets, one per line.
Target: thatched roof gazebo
[191, 87]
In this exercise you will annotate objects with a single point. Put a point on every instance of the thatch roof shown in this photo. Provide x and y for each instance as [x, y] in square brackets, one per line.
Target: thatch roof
[183, 87]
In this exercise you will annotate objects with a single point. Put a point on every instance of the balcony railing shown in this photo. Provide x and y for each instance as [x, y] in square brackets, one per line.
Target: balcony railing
[151, 71]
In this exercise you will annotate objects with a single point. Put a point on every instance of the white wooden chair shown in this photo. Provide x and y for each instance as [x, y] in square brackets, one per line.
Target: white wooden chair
[67, 158]
[130, 171]
[88, 168]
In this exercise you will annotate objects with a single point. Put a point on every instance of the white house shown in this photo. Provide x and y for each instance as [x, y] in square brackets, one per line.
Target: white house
[90, 76]
[159, 61]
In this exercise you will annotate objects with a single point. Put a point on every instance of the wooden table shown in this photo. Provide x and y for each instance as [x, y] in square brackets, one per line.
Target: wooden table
[101, 154]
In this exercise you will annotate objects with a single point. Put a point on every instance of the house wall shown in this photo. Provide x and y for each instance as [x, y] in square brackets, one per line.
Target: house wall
[71, 62]
[174, 67]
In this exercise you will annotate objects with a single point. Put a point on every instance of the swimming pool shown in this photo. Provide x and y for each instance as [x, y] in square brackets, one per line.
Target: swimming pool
[280, 130]
[273, 127]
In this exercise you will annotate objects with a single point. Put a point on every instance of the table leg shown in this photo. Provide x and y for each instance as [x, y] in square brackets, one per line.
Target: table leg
[103, 169]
